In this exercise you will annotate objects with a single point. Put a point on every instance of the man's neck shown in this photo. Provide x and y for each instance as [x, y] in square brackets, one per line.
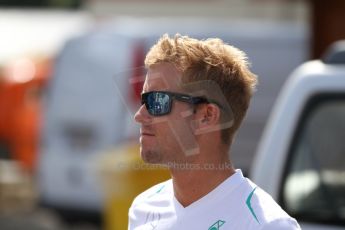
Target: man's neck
[192, 184]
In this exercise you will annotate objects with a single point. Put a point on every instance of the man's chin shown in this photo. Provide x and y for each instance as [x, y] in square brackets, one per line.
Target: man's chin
[151, 157]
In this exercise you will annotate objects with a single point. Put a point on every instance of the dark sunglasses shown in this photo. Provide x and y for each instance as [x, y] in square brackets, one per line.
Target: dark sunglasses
[159, 103]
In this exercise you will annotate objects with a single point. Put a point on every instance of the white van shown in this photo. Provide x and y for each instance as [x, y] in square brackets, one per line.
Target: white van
[84, 114]
[301, 158]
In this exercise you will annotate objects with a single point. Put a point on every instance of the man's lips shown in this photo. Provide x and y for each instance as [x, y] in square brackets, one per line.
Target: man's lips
[146, 134]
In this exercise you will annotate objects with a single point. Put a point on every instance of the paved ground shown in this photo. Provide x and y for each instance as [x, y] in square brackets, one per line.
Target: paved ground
[40, 220]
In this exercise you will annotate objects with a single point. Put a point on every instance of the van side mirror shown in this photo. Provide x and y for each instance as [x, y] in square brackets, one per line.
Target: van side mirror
[335, 54]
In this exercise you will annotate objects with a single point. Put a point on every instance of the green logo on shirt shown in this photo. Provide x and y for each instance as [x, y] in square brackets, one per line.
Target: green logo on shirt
[249, 205]
[216, 225]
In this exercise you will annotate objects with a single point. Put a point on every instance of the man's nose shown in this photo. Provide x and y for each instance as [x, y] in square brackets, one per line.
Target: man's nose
[142, 115]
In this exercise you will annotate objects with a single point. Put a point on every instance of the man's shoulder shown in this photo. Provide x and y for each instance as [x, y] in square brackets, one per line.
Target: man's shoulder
[284, 223]
[266, 211]
[158, 195]
[158, 191]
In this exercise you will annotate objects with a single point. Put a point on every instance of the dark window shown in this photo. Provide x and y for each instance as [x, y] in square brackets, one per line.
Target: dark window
[314, 185]
[42, 3]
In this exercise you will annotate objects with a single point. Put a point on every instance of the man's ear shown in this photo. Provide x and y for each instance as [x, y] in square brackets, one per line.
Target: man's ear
[207, 119]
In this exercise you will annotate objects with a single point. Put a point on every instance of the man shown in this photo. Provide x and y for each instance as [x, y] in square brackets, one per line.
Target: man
[195, 96]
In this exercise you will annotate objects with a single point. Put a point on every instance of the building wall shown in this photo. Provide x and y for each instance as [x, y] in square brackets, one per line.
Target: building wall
[297, 10]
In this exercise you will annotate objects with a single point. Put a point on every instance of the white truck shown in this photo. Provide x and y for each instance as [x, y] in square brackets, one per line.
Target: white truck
[301, 156]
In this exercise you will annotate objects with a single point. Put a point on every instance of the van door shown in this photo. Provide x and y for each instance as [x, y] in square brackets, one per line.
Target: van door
[313, 189]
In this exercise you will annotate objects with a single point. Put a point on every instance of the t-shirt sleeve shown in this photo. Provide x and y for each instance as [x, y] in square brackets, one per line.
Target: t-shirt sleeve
[132, 215]
[135, 216]
[130, 218]
[282, 224]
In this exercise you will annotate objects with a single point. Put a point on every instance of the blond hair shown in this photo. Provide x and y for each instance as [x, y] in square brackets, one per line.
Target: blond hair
[213, 60]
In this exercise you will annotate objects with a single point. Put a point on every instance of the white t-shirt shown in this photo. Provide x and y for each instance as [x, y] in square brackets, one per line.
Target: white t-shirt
[237, 203]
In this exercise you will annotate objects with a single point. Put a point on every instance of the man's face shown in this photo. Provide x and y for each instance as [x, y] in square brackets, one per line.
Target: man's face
[168, 138]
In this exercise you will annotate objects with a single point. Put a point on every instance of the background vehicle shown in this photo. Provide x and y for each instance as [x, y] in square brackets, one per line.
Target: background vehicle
[300, 161]
[20, 106]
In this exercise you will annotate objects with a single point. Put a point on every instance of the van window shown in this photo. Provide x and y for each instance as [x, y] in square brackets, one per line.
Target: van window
[314, 186]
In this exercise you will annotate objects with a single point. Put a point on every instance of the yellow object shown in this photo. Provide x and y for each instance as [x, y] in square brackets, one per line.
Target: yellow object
[125, 176]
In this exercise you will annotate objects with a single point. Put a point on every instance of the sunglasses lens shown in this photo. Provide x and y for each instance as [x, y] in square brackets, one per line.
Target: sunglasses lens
[158, 103]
